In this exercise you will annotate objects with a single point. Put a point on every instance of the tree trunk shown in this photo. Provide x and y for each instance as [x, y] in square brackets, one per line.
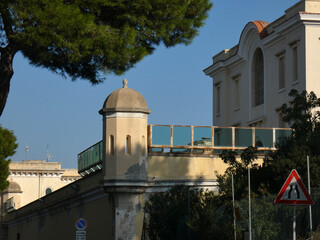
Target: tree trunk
[6, 73]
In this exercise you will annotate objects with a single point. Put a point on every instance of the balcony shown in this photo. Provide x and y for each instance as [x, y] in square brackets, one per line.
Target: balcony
[212, 140]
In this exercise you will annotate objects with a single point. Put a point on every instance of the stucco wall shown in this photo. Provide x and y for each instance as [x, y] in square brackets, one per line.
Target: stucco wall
[312, 58]
[135, 126]
[60, 223]
[54, 216]
[184, 167]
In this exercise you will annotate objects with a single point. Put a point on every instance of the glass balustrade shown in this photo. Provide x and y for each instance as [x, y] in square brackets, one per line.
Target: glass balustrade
[176, 139]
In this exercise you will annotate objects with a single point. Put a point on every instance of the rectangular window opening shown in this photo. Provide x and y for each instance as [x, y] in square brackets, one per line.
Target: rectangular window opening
[295, 64]
[236, 93]
[281, 72]
[128, 145]
[218, 99]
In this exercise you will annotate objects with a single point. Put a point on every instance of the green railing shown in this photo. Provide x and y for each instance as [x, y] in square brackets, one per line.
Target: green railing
[90, 160]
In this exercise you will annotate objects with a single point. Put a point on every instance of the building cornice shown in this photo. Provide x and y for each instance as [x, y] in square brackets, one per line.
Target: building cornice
[48, 173]
[221, 65]
[310, 17]
[276, 29]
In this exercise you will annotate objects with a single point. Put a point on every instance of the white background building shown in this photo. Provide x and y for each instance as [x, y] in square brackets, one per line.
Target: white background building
[33, 179]
[252, 80]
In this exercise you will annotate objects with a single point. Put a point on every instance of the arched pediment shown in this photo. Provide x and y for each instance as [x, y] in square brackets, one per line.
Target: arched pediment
[253, 31]
[13, 188]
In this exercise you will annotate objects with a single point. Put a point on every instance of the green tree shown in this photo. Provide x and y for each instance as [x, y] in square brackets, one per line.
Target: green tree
[168, 211]
[181, 212]
[239, 169]
[303, 117]
[82, 38]
[8, 146]
[269, 221]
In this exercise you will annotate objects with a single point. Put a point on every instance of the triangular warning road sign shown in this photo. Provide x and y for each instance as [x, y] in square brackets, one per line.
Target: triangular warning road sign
[293, 191]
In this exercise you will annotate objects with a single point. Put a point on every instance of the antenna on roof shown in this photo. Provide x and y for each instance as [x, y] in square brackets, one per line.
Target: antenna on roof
[26, 149]
[48, 154]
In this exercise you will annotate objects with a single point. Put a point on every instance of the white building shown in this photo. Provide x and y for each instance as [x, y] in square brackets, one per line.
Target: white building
[32, 179]
[252, 80]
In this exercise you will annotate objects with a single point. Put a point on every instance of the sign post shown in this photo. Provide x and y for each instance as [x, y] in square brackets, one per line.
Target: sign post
[309, 191]
[81, 225]
[293, 192]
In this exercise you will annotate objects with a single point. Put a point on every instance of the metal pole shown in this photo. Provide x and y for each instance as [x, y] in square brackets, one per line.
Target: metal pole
[309, 190]
[249, 190]
[234, 213]
[26, 149]
[189, 212]
[294, 223]
[39, 191]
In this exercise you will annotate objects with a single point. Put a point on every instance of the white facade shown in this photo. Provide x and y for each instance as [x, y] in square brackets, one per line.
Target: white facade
[32, 179]
[252, 80]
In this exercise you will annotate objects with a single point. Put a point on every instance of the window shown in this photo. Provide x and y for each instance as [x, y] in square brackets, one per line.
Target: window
[236, 92]
[128, 145]
[218, 97]
[281, 71]
[258, 78]
[143, 147]
[295, 64]
[48, 191]
[111, 145]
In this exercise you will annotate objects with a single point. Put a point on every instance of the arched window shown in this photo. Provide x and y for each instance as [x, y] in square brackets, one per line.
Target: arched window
[48, 191]
[111, 145]
[143, 147]
[128, 145]
[257, 78]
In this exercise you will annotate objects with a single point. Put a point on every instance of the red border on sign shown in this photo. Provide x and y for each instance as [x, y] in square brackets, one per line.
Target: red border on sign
[295, 174]
[81, 229]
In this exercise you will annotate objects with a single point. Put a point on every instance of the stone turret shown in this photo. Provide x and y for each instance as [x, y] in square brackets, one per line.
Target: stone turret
[125, 121]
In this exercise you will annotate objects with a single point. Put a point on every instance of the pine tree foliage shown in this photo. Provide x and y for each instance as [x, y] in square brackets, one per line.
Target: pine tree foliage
[8, 146]
[82, 38]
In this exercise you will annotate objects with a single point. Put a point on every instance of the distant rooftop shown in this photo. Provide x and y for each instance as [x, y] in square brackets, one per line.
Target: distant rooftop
[42, 166]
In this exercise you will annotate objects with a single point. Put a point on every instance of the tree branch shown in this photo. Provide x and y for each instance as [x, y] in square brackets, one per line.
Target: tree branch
[6, 73]
[6, 19]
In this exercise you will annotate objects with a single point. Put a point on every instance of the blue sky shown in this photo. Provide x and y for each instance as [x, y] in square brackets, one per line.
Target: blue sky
[45, 109]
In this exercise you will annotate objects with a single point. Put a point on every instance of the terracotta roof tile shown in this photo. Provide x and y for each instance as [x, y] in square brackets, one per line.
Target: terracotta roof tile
[261, 27]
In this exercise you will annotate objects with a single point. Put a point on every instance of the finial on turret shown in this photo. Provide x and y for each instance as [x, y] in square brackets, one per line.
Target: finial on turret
[125, 83]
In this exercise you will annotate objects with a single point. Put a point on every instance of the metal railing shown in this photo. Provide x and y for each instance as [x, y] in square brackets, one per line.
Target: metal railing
[182, 139]
[90, 160]
[211, 139]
